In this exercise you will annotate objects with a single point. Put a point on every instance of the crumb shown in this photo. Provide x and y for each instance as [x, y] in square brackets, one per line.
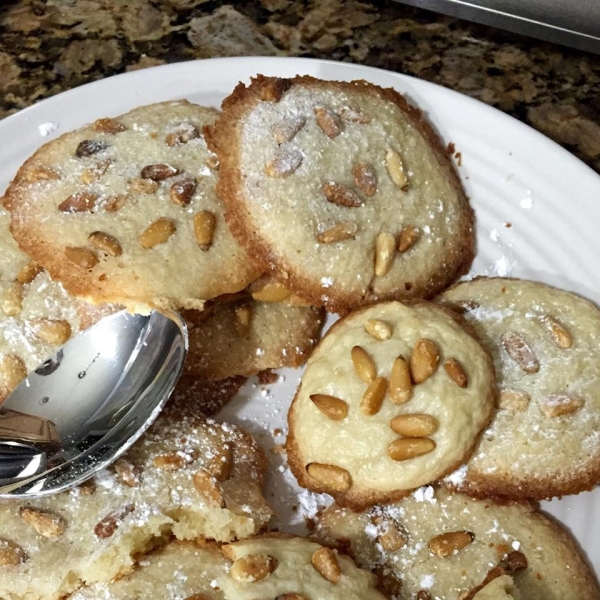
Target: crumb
[47, 128]
[278, 449]
[526, 203]
[451, 148]
[508, 225]
[277, 431]
[458, 157]
[267, 376]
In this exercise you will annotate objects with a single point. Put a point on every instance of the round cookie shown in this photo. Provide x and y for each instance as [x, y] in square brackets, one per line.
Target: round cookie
[37, 316]
[187, 477]
[403, 542]
[393, 397]
[287, 567]
[124, 210]
[180, 570]
[245, 336]
[341, 190]
[542, 440]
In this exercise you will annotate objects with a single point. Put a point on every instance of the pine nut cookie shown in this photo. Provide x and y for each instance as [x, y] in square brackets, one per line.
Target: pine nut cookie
[124, 210]
[542, 440]
[289, 568]
[341, 190]
[435, 544]
[186, 477]
[393, 396]
[180, 570]
[37, 316]
[245, 336]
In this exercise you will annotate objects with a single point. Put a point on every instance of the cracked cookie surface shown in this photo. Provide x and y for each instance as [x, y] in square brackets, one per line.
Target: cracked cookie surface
[178, 571]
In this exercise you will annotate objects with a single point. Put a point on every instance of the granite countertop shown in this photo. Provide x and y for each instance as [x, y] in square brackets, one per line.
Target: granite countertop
[48, 46]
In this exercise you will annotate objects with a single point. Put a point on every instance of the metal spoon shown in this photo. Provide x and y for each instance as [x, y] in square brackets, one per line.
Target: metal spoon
[82, 408]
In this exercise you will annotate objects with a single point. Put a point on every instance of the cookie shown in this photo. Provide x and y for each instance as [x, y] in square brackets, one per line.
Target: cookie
[186, 477]
[124, 211]
[245, 336]
[393, 397]
[342, 190]
[37, 316]
[293, 568]
[542, 441]
[180, 570]
[443, 545]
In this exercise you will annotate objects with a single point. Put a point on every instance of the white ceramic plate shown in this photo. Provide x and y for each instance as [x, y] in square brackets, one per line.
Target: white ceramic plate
[511, 173]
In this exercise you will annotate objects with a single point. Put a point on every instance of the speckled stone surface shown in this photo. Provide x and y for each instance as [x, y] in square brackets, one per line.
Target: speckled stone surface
[53, 45]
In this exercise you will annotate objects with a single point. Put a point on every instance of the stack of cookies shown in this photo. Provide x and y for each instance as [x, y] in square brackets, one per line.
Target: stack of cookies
[434, 413]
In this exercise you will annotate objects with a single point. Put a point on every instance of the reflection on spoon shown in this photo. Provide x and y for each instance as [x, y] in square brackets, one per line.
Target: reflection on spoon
[86, 405]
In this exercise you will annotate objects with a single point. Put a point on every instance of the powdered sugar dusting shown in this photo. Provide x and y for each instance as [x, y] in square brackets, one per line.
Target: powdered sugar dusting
[311, 504]
[496, 530]
[167, 499]
[292, 208]
[502, 267]
[458, 477]
[425, 494]
[371, 531]
[42, 299]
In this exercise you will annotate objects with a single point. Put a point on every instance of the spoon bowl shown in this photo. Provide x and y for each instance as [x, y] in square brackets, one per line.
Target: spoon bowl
[84, 406]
